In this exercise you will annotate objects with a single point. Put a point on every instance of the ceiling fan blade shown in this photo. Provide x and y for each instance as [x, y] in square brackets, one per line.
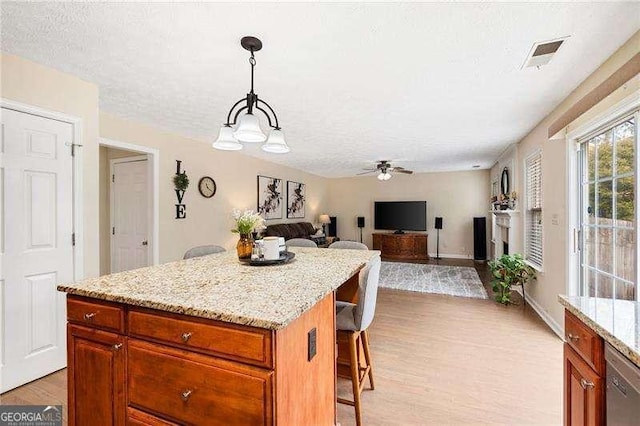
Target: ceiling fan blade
[405, 171]
[366, 173]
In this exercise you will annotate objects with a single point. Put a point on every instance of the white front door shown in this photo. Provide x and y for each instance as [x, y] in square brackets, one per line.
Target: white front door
[35, 244]
[130, 215]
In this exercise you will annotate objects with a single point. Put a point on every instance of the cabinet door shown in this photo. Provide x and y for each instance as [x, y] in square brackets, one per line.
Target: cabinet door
[96, 373]
[420, 247]
[389, 246]
[583, 392]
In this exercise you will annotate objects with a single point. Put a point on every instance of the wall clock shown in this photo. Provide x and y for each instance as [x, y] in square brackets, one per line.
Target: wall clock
[207, 187]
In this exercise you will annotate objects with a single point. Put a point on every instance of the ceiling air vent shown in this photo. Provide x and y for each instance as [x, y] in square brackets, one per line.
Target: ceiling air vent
[542, 52]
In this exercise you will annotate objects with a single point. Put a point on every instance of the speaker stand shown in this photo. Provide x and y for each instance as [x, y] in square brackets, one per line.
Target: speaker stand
[360, 234]
[438, 245]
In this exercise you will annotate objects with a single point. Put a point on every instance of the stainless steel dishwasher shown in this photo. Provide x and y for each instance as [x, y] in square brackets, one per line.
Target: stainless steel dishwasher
[623, 389]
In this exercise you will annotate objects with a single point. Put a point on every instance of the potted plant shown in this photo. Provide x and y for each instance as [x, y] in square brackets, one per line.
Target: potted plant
[509, 270]
[246, 222]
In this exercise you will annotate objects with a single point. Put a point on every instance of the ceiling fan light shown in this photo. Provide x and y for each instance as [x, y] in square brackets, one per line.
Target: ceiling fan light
[226, 141]
[386, 176]
[248, 130]
[381, 176]
[276, 143]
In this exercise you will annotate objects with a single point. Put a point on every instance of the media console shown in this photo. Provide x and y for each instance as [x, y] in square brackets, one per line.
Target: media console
[409, 246]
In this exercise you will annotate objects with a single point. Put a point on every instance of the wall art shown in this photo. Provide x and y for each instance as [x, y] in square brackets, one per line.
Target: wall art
[270, 197]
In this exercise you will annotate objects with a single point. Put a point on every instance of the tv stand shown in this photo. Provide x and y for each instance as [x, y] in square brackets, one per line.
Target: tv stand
[405, 246]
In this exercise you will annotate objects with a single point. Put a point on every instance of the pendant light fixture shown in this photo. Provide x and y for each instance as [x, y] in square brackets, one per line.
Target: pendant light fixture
[241, 115]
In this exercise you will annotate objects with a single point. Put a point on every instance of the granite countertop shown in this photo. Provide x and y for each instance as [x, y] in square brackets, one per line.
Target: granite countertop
[616, 321]
[219, 287]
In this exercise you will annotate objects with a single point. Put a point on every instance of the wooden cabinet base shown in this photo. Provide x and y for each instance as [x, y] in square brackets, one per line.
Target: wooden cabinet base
[401, 246]
[194, 371]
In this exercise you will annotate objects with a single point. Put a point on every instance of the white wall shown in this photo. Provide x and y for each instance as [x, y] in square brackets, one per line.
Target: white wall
[208, 221]
[457, 197]
[553, 281]
[33, 84]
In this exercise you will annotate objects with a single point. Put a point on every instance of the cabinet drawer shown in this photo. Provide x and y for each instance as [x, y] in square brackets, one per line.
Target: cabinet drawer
[246, 344]
[105, 315]
[197, 389]
[140, 418]
[585, 342]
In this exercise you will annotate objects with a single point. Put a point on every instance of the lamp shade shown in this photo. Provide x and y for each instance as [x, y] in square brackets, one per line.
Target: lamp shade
[381, 176]
[324, 219]
[387, 176]
[248, 129]
[226, 141]
[276, 144]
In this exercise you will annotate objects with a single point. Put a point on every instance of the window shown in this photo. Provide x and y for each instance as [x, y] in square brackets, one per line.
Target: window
[607, 212]
[533, 210]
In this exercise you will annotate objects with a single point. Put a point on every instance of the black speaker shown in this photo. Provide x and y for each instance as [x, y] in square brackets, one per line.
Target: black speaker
[360, 221]
[480, 238]
[333, 226]
[438, 223]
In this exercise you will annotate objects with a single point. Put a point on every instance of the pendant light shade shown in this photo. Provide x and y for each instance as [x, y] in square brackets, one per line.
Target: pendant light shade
[241, 116]
[276, 143]
[226, 141]
[249, 129]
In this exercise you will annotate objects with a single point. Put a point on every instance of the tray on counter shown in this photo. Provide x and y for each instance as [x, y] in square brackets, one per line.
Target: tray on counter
[284, 258]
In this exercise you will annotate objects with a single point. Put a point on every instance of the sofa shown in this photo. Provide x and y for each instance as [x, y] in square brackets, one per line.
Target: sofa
[294, 230]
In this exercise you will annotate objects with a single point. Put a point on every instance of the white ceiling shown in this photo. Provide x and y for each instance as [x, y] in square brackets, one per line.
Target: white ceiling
[434, 86]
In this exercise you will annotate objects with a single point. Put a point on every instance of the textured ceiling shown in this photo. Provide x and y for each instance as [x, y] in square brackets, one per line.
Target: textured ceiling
[434, 86]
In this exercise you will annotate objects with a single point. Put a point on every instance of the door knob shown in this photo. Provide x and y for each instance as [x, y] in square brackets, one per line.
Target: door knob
[145, 243]
[586, 384]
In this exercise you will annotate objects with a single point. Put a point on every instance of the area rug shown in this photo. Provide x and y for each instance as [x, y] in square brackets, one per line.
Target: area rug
[452, 280]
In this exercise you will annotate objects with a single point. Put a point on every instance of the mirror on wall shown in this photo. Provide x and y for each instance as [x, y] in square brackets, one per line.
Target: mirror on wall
[504, 182]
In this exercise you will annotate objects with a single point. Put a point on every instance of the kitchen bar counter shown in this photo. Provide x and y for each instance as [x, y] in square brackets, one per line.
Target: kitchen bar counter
[209, 341]
[219, 287]
[616, 321]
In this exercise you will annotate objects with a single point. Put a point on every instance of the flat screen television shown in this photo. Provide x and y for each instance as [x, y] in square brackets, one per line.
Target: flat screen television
[401, 215]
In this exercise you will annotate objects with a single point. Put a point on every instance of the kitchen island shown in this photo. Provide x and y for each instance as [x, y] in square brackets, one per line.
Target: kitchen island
[208, 341]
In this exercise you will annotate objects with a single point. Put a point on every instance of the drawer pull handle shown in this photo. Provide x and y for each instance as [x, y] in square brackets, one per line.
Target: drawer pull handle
[89, 316]
[586, 384]
[117, 346]
[573, 337]
[186, 337]
[186, 394]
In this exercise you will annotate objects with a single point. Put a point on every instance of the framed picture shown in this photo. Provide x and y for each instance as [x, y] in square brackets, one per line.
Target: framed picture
[270, 197]
[295, 200]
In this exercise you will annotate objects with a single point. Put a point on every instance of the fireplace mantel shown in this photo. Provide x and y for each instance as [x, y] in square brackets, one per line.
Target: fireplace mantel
[504, 232]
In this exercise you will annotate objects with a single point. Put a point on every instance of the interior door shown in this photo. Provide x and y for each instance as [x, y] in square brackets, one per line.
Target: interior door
[35, 244]
[130, 215]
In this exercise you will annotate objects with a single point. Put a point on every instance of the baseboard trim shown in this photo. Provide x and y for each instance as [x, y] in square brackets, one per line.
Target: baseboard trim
[450, 256]
[551, 323]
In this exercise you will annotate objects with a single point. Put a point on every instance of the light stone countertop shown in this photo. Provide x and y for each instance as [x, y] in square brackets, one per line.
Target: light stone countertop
[219, 287]
[616, 321]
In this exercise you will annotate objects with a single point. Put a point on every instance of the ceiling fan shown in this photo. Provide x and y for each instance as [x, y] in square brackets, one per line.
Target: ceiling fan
[383, 168]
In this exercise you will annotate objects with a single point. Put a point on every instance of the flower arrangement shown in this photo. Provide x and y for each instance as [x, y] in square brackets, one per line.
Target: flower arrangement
[247, 221]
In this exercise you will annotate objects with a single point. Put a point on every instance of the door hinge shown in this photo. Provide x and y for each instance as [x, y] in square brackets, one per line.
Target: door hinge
[73, 239]
[73, 148]
[113, 230]
[113, 178]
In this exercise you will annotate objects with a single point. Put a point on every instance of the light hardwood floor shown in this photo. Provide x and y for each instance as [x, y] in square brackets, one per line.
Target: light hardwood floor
[438, 360]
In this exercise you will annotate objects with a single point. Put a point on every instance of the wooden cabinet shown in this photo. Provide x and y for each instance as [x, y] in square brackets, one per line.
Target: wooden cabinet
[584, 369]
[148, 367]
[96, 376]
[401, 246]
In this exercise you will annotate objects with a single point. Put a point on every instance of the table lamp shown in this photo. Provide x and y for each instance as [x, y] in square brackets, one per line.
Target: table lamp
[324, 220]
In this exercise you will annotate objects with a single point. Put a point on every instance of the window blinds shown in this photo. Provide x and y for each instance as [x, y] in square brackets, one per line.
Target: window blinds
[533, 247]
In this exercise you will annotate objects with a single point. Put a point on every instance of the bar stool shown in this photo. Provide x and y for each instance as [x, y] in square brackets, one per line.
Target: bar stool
[300, 242]
[352, 321]
[203, 251]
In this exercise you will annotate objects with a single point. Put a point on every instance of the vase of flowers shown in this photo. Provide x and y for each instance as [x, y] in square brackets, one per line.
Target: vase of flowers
[247, 221]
